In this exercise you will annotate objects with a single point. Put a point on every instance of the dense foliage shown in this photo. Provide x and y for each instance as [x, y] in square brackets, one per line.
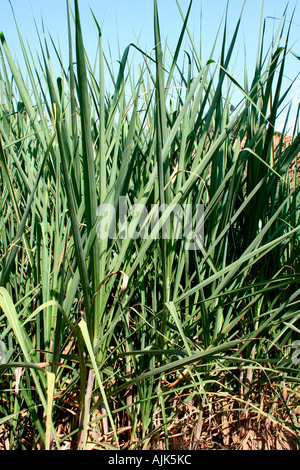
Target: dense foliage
[138, 342]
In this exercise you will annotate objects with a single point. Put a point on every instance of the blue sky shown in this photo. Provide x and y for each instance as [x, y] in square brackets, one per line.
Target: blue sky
[122, 21]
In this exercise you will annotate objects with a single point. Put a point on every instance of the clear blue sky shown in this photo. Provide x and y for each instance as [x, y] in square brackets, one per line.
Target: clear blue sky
[124, 20]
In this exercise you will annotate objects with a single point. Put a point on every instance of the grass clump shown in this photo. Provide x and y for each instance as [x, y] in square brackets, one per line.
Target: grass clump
[139, 342]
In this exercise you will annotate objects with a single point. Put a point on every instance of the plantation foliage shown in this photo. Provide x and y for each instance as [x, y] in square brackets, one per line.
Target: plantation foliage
[126, 342]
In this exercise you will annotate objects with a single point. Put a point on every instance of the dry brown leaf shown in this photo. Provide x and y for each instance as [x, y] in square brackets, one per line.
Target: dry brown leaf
[123, 287]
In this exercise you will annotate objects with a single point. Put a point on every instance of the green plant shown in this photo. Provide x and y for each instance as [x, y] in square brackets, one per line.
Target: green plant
[117, 338]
